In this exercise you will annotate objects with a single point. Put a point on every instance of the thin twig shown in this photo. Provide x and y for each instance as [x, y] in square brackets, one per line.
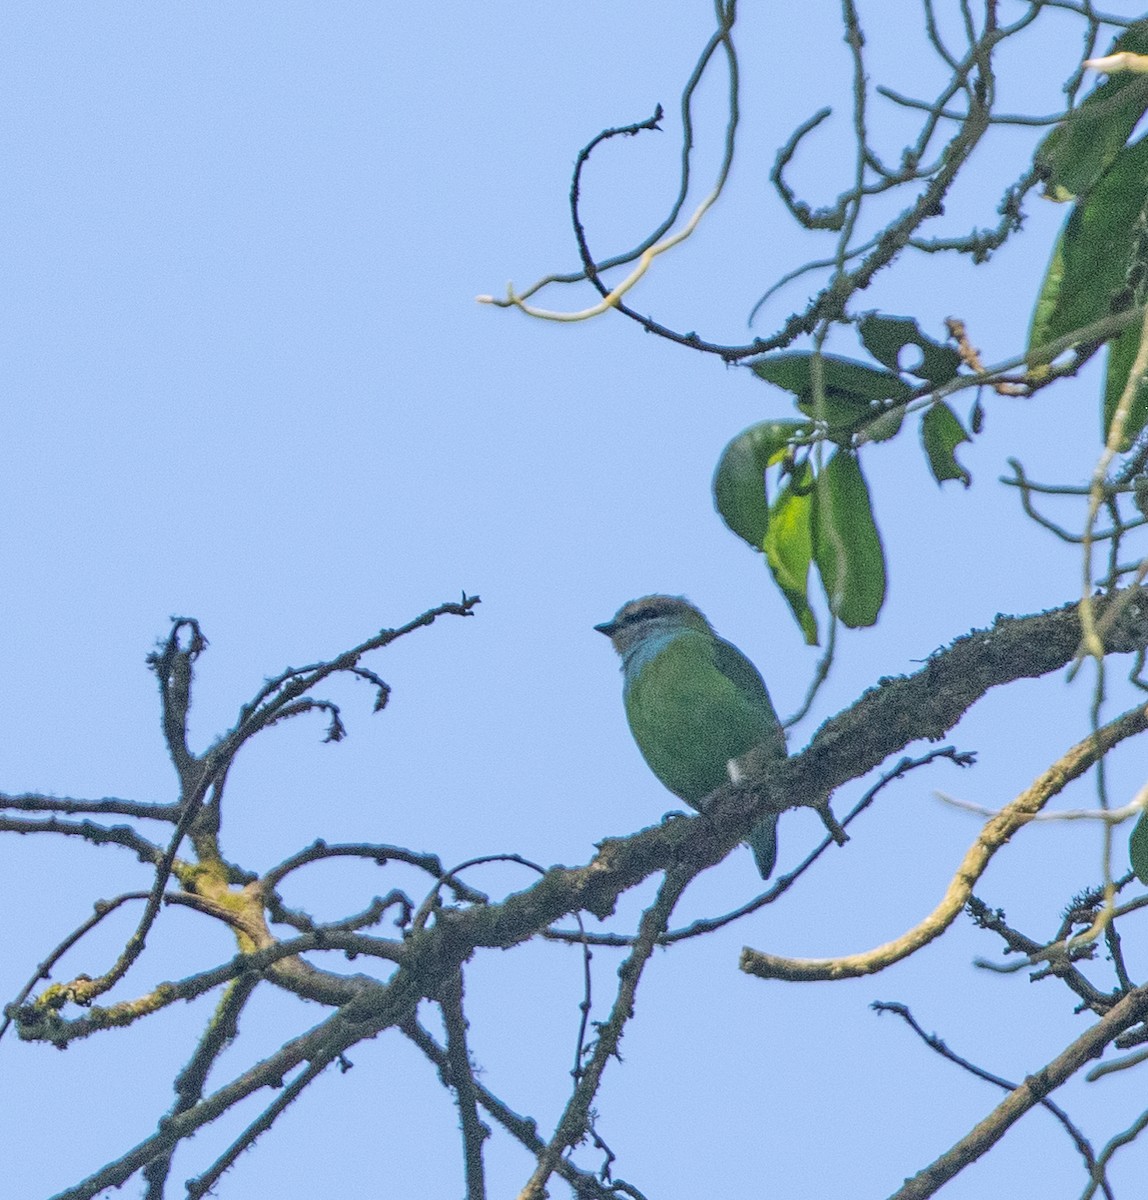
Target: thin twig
[576, 1118]
[1132, 1009]
[1083, 1146]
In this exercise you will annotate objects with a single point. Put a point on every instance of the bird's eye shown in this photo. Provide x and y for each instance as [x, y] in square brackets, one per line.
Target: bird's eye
[643, 614]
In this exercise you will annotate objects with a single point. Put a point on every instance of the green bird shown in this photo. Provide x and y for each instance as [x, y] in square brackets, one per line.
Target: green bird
[695, 703]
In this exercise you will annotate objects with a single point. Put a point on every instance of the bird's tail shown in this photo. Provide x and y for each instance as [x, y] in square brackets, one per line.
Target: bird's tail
[763, 842]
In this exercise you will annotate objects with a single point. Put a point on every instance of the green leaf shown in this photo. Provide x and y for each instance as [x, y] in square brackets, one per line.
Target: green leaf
[1138, 848]
[1078, 151]
[854, 392]
[941, 433]
[846, 544]
[883, 427]
[739, 480]
[789, 547]
[1046, 303]
[885, 338]
[1121, 355]
[1090, 264]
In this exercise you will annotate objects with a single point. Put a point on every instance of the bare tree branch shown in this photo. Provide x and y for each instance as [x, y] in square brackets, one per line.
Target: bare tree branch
[1091, 1044]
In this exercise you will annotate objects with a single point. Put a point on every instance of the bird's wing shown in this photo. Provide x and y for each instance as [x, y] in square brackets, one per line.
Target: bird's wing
[734, 665]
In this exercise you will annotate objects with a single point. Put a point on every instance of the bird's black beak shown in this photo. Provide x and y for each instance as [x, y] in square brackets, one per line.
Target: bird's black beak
[609, 628]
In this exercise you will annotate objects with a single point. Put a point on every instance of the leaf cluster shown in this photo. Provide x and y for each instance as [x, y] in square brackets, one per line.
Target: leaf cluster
[777, 490]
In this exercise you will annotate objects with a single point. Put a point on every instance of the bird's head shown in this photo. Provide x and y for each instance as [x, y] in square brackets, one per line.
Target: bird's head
[651, 617]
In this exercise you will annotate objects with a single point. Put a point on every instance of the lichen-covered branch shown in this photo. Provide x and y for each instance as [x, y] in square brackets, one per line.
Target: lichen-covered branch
[435, 943]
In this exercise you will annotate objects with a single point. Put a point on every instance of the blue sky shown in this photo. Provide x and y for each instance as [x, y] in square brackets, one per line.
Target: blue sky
[246, 381]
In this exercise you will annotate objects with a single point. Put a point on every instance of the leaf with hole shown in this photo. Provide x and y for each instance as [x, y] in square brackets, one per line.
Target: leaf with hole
[886, 338]
[941, 433]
